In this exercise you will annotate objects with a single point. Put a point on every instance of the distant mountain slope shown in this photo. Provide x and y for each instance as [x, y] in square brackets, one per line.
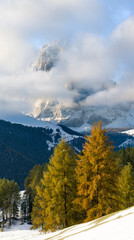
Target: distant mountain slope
[115, 226]
[21, 147]
[14, 165]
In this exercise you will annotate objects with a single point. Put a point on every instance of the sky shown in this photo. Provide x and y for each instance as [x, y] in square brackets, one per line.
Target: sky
[100, 51]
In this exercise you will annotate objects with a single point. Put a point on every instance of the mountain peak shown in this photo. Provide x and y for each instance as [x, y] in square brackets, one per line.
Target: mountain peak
[48, 56]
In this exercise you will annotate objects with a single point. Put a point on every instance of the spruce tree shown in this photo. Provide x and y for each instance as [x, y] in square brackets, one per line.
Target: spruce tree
[96, 174]
[126, 187]
[9, 199]
[54, 201]
[39, 206]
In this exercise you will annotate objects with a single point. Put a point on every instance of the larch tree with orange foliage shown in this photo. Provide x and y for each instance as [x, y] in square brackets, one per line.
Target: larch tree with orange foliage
[53, 206]
[96, 174]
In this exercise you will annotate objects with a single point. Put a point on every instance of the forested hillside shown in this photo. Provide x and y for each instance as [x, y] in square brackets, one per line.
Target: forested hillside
[14, 165]
[22, 147]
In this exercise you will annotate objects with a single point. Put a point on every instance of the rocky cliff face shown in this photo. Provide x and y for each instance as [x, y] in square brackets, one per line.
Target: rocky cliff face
[48, 56]
[80, 118]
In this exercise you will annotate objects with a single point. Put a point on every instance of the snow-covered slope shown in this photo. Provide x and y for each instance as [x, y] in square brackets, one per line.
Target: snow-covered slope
[26, 120]
[129, 132]
[129, 142]
[66, 133]
[115, 226]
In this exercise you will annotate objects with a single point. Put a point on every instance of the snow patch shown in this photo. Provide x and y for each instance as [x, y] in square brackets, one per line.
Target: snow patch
[129, 132]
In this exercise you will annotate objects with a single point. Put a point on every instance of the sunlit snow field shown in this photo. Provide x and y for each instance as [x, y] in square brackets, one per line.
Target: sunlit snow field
[117, 226]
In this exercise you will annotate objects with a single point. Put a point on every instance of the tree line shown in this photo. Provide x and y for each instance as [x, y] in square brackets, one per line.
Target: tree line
[75, 188]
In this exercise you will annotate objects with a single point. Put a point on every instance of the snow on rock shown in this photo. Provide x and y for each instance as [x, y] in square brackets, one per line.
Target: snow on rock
[127, 143]
[129, 132]
[48, 56]
[115, 226]
[19, 118]
[79, 117]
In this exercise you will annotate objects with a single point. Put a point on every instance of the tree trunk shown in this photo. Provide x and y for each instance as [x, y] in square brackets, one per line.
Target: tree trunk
[65, 205]
[65, 208]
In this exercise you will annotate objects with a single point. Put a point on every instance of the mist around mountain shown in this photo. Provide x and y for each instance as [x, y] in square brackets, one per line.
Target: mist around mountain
[77, 115]
[48, 56]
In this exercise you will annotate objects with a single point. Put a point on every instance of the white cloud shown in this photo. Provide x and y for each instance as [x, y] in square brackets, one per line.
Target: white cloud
[87, 63]
[123, 42]
[92, 60]
[23, 23]
[121, 93]
[49, 18]
[15, 53]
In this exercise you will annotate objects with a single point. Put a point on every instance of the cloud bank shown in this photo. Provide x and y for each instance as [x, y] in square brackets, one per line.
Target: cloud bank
[99, 57]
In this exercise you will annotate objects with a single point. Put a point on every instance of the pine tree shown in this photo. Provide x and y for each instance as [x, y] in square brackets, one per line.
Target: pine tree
[126, 187]
[55, 197]
[96, 174]
[122, 157]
